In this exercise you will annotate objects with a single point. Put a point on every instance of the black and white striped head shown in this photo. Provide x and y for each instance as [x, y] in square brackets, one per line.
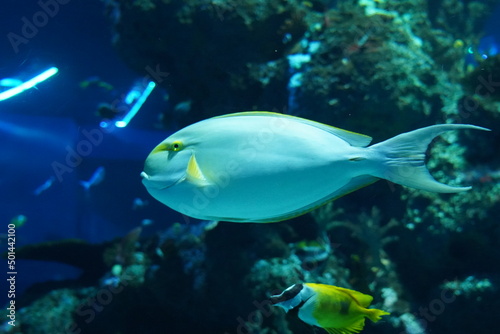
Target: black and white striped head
[292, 297]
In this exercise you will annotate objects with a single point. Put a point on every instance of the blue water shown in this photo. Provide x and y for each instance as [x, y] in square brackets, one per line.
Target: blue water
[38, 126]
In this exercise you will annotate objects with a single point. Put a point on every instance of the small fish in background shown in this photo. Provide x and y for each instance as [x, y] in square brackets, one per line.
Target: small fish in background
[147, 222]
[183, 107]
[337, 310]
[312, 251]
[19, 220]
[44, 186]
[96, 178]
[139, 203]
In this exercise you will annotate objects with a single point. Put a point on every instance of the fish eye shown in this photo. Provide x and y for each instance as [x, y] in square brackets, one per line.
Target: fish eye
[176, 146]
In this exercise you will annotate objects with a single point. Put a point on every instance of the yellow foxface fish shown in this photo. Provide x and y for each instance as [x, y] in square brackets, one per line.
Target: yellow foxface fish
[337, 310]
[266, 167]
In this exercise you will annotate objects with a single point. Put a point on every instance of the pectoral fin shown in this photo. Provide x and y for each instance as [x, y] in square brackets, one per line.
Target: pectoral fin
[194, 173]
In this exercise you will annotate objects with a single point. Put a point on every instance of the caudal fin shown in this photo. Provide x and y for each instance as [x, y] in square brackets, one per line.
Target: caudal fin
[403, 158]
[375, 314]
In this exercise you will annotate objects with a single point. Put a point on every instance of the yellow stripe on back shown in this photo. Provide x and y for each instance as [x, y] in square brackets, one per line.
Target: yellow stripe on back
[353, 138]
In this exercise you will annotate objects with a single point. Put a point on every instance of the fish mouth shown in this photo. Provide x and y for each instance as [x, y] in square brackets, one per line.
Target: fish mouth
[162, 171]
[158, 183]
[286, 295]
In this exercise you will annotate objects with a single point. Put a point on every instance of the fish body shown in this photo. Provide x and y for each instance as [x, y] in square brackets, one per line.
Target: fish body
[265, 167]
[337, 310]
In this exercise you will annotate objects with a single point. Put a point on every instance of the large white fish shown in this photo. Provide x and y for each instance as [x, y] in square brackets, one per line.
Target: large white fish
[267, 167]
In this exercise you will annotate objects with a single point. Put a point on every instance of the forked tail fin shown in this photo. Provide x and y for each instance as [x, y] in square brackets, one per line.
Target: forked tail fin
[403, 158]
[374, 314]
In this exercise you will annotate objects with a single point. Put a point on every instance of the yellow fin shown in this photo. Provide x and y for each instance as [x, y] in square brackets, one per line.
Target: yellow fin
[194, 173]
[362, 299]
[353, 138]
[354, 328]
[374, 314]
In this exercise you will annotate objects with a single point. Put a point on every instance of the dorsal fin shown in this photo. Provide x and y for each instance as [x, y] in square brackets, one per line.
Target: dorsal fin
[353, 138]
[363, 299]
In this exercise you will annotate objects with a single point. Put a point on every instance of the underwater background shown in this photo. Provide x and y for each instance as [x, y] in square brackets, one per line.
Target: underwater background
[95, 253]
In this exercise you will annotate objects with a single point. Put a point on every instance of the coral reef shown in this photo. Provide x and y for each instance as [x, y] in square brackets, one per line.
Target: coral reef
[218, 277]
[384, 61]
